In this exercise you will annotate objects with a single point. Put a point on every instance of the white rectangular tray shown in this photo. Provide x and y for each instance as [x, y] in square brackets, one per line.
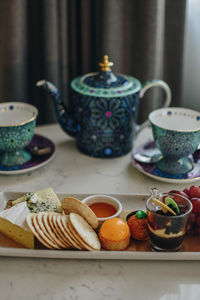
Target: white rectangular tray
[129, 202]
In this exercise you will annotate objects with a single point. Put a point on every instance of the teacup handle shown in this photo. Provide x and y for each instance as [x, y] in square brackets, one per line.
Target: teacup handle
[154, 83]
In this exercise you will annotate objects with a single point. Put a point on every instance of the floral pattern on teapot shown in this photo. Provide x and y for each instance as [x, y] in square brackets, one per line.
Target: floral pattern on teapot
[103, 110]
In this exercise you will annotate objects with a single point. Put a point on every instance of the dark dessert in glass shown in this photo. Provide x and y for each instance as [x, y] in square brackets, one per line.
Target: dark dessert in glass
[167, 228]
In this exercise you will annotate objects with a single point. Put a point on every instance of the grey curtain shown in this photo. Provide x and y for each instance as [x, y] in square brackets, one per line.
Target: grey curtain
[60, 39]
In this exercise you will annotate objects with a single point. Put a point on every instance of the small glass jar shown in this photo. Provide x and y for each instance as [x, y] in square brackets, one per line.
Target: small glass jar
[166, 231]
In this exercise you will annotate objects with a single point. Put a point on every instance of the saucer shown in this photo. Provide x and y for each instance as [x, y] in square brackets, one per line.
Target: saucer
[152, 171]
[36, 160]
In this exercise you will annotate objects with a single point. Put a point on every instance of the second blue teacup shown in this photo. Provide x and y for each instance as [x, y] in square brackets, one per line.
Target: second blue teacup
[176, 133]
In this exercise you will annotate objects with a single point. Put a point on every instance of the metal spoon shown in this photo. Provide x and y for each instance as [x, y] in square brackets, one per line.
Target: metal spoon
[148, 157]
[39, 151]
[152, 156]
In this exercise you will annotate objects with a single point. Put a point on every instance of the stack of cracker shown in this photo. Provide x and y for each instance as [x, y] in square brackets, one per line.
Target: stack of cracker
[74, 228]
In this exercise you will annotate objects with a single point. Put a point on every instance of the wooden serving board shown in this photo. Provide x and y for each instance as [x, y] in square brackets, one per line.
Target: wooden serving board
[137, 250]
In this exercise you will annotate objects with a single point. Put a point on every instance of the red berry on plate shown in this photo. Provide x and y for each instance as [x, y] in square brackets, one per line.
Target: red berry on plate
[196, 205]
[194, 191]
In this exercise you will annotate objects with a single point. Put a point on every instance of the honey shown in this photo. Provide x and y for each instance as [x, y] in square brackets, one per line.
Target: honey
[103, 209]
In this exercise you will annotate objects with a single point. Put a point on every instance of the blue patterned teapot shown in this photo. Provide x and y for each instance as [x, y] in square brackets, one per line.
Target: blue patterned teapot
[104, 110]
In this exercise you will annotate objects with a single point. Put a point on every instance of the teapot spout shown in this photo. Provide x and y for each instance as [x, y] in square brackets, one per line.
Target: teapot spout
[65, 119]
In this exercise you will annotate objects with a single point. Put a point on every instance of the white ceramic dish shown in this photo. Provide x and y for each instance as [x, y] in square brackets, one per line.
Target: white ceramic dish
[104, 198]
[129, 201]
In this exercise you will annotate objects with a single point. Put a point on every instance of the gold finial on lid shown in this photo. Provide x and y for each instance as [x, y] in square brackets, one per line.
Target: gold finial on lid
[106, 64]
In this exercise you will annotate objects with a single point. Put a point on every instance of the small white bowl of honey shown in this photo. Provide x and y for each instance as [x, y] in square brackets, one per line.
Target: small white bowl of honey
[104, 207]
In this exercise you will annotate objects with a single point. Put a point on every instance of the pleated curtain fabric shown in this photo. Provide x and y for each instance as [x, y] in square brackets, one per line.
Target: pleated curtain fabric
[58, 40]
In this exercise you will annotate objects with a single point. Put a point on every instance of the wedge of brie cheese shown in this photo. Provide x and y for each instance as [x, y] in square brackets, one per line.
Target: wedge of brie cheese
[13, 225]
[13, 220]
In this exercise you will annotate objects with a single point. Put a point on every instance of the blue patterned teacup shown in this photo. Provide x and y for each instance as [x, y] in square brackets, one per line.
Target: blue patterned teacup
[17, 125]
[176, 133]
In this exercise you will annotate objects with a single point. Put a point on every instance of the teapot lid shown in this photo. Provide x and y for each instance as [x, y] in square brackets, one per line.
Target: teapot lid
[105, 83]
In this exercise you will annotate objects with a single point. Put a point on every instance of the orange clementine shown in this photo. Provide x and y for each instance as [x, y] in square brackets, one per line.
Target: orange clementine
[114, 234]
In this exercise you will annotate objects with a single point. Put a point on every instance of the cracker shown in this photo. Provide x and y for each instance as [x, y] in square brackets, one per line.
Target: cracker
[74, 205]
[29, 222]
[42, 227]
[63, 232]
[64, 222]
[85, 231]
[57, 230]
[52, 234]
[75, 234]
[40, 231]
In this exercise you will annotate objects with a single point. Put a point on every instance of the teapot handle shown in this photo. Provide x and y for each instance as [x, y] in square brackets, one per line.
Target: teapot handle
[154, 83]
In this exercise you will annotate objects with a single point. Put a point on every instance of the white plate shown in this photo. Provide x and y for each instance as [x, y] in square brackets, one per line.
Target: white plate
[129, 201]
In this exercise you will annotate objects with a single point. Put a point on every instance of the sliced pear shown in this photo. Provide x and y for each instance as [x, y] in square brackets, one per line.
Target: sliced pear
[164, 207]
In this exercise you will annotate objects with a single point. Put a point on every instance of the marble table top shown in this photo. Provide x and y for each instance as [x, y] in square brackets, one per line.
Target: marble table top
[73, 172]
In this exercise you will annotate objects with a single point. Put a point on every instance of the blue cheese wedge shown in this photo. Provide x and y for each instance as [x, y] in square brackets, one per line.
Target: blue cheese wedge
[13, 220]
[44, 200]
